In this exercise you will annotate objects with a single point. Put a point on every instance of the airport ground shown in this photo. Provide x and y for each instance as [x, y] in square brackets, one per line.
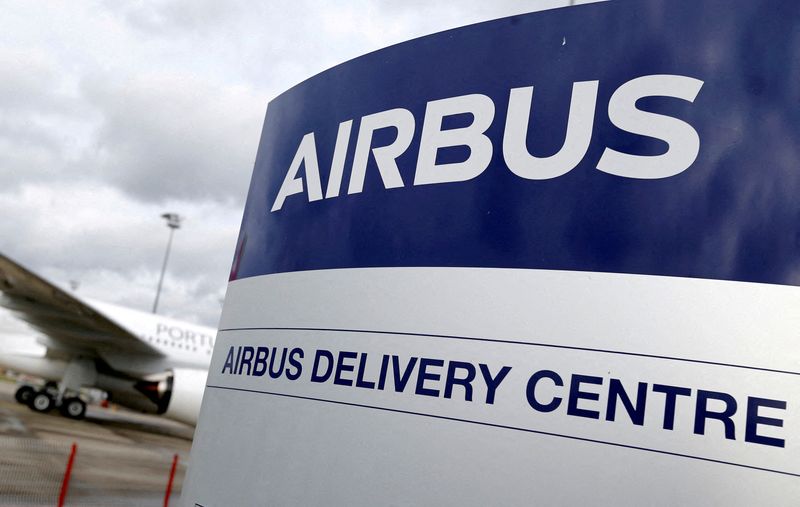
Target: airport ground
[122, 458]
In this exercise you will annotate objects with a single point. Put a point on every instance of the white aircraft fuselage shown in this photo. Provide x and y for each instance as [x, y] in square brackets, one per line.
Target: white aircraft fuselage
[144, 361]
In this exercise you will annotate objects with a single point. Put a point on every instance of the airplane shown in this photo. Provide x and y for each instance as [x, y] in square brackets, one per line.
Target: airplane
[144, 361]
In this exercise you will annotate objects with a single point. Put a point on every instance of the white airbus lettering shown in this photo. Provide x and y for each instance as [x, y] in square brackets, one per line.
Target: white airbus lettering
[682, 139]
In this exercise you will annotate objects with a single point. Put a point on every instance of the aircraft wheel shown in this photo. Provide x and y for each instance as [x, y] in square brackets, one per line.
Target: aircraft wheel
[24, 394]
[41, 402]
[74, 408]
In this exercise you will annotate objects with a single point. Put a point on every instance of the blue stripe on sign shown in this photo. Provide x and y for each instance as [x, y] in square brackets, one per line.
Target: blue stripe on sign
[733, 214]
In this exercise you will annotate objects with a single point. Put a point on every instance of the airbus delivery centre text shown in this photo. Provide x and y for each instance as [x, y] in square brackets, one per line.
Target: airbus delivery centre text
[547, 391]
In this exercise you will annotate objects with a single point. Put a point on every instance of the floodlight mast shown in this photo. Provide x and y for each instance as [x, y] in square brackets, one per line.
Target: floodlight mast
[173, 222]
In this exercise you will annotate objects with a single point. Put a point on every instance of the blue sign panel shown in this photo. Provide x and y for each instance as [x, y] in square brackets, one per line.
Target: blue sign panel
[654, 137]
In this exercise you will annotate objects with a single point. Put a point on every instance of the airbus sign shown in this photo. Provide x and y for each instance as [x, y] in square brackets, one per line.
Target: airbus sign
[548, 259]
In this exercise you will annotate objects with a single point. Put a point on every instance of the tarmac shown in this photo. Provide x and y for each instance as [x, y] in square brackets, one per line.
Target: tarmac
[121, 458]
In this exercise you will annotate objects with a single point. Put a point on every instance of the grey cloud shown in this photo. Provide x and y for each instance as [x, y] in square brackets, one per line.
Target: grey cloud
[168, 136]
[28, 132]
[31, 82]
[114, 245]
[38, 117]
[26, 150]
[168, 17]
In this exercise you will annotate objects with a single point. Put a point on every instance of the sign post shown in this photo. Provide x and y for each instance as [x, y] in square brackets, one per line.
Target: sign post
[546, 259]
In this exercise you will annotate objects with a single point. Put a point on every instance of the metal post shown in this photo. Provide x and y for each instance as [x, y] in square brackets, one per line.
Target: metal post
[173, 222]
[62, 496]
[171, 479]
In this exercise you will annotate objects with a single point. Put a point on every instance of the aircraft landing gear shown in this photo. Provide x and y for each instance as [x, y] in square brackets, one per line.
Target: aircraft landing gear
[41, 401]
[64, 395]
[45, 400]
[74, 408]
[24, 394]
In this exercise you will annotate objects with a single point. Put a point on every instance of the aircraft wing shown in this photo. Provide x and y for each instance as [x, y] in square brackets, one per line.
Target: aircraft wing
[69, 322]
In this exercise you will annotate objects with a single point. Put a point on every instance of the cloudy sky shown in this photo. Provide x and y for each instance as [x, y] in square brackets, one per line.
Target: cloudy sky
[113, 112]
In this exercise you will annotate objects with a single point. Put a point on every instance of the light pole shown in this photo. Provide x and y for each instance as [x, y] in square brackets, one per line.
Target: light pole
[173, 222]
